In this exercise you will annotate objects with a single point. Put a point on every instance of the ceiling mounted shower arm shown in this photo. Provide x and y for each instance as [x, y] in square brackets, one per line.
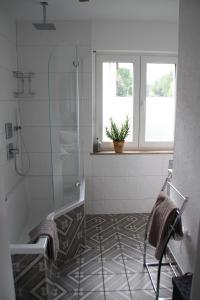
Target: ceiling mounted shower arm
[44, 25]
[44, 9]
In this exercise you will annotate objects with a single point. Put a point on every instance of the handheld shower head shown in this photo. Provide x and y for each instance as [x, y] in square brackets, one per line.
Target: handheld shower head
[44, 25]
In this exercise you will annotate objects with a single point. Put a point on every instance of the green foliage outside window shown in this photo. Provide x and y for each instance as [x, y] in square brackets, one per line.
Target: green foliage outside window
[163, 87]
[124, 83]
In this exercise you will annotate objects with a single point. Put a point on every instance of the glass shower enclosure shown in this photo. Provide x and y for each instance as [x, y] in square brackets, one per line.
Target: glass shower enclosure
[63, 91]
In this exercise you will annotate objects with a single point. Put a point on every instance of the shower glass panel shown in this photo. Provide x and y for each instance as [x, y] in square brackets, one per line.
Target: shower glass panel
[63, 87]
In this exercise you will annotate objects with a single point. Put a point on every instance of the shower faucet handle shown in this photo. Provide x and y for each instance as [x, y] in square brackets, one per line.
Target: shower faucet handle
[17, 127]
[11, 151]
[14, 151]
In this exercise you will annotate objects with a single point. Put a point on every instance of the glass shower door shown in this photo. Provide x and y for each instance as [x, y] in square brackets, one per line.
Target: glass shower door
[64, 124]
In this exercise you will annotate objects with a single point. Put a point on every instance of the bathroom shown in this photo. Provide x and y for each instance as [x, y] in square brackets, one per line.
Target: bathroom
[49, 92]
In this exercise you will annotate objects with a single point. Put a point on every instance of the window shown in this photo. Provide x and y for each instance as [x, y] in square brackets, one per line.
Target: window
[142, 88]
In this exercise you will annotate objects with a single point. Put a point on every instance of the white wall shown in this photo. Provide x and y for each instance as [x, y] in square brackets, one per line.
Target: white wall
[8, 178]
[150, 36]
[125, 184]
[186, 157]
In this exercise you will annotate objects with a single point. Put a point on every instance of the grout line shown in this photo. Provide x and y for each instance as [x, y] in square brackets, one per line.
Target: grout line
[79, 275]
[124, 265]
[102, 266]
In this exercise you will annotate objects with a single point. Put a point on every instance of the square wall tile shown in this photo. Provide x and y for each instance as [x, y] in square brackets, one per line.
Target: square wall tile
[40, 163]
[34, 113]
[37, 139]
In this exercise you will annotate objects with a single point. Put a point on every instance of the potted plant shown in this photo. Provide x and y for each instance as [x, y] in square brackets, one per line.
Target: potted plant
[118, 134]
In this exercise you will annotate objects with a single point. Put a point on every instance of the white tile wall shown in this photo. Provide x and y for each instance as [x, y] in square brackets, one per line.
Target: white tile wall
[68, 33]
[40, 164]
[13, 184]
[34, 113]
[125, 183]
[7, 84]
[13, 212]
[35, 58]
[111, 35]
[18, 211]
[7, 53]
[37, 138]
[119, 206]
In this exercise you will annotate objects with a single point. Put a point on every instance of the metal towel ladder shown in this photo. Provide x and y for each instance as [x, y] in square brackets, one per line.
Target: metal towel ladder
[159, 264]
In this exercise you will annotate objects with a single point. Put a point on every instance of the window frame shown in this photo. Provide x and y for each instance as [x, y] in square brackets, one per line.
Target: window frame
[139, 60]
[144, 61]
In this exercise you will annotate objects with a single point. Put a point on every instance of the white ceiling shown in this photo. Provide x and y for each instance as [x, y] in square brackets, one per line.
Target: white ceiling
[166, 10]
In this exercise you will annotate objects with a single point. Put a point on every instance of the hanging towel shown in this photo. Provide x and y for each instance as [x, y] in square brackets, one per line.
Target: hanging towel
[164, 213]
[48, 228]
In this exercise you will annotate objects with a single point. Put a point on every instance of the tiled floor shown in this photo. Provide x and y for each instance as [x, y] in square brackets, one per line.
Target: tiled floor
[111, 266]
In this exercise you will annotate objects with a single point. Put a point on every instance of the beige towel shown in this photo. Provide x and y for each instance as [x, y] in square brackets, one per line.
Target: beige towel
[48, 228]
[164, 213]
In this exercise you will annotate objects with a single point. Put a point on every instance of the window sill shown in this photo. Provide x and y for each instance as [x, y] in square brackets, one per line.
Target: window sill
[134, 152]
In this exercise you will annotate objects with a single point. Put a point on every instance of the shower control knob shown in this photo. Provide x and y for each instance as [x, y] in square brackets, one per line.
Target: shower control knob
[14, 151]
[16, 128]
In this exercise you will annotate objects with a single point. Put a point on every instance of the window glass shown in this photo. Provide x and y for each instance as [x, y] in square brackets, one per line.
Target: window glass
[118, 95]
[160, 102]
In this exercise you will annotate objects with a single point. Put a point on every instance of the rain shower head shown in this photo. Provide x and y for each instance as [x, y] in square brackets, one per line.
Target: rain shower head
[44, 25]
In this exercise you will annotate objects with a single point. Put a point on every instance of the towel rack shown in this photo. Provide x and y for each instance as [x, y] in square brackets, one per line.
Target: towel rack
[159, 264]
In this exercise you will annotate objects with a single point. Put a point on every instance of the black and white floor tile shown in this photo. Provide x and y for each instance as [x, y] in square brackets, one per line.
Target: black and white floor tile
[111, 266]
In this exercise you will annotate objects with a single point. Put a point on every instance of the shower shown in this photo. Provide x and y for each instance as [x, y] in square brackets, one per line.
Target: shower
[44, 25]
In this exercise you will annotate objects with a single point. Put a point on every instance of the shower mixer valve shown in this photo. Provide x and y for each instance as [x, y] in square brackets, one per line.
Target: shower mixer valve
[14, 151]
[11, 151]
[17, 127]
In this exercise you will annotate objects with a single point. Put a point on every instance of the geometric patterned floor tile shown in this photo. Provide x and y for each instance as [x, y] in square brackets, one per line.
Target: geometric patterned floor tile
[69, 283]
[93, 240]
[130, 253]
[113, 267]
[93, 221]
[116, 282]
[69, 296]
[139, 281]
[91, 266]
[120, 295]
[134, 266]
[90, 252]
[112, 252]
[91, 283]
[143, 295]
[72, 267]
[92, 296]
[165, 279]
[133, 243]
[108, 239]
[130, 240]
[165, 293]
